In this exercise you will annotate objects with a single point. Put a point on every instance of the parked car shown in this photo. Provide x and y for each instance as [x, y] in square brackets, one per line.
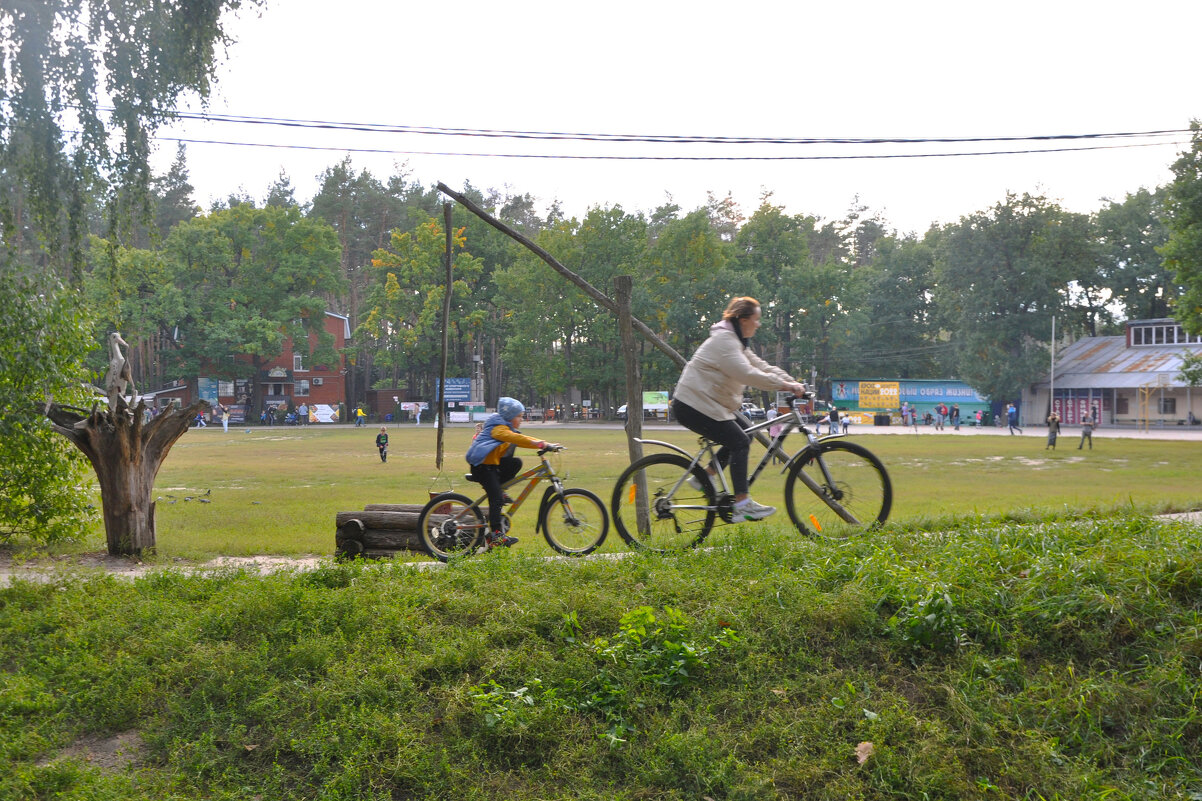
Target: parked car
[753, 412]
[650, 412]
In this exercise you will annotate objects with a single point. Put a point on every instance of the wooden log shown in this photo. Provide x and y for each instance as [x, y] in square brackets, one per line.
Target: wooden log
[395, 521]
[394, 507]
[375, 539]
[348, 541]
[364, 533]
[387, 521]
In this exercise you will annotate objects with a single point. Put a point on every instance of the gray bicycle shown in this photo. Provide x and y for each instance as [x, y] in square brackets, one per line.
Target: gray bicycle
[833, 488]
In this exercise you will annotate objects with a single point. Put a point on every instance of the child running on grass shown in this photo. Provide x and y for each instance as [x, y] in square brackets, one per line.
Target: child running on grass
[490, 456]
[382, 443]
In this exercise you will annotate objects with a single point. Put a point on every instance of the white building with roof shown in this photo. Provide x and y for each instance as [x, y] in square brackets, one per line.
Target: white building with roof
[1132, 379]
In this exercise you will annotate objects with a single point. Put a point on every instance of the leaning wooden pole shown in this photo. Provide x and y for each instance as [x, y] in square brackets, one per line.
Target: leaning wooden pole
[600, 297]
[441, 420]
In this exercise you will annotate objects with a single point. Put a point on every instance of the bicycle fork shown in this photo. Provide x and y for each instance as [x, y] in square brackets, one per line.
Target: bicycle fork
[827, 492]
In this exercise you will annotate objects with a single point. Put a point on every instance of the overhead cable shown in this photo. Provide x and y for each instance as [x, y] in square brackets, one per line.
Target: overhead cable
[603, 157]
[371, 127]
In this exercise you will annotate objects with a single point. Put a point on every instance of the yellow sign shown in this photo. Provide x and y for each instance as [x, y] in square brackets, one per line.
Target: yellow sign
[879, 394]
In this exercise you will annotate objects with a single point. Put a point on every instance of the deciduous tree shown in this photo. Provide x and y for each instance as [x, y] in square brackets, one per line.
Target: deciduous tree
[1183, 251]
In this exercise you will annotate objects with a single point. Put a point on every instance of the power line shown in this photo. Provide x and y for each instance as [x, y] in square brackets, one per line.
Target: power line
[578, 157]
[372, 127]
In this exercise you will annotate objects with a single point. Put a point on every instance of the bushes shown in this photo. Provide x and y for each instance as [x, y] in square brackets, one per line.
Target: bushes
[995, 660]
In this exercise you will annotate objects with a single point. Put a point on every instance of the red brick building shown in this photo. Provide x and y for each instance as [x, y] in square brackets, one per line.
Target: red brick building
[285, 382]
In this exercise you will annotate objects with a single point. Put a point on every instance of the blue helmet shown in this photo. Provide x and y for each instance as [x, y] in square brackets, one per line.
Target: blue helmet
[510, 408]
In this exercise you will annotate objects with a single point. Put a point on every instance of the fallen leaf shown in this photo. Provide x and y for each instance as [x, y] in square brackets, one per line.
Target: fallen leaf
[250, 747]
[863, 751]
[781, 693]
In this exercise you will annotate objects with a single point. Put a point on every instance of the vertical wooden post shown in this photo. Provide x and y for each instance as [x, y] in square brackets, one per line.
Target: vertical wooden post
[441, 419]
[623, 290]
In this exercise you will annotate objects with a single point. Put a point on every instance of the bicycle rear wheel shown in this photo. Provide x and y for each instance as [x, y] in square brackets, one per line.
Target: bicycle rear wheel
[654, 507]
[576, 523]
[451, 525]
[858, 484]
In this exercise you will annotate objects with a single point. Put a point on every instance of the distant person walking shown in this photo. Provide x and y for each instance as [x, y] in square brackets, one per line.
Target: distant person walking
[360, 417]
[956, 416]
[1053, 430]
[1087, 426]
[224, 411]
[382, 443]
[1012, 419]
[417, 411]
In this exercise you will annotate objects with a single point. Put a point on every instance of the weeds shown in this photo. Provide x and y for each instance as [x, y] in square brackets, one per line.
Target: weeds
[1042, 658]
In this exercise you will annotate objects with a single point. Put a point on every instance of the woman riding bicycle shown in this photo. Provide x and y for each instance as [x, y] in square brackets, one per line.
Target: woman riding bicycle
[710, 390]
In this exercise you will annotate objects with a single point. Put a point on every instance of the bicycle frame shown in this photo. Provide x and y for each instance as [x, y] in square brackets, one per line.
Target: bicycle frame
[535, 476]
[773, 448]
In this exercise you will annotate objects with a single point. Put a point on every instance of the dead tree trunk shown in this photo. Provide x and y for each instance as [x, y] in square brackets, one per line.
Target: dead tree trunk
[126, 455]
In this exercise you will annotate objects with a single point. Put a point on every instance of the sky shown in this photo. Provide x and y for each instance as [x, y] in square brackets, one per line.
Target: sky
[795, 69]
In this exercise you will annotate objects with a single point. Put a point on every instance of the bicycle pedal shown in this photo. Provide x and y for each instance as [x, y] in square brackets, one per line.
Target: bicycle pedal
[726, 507]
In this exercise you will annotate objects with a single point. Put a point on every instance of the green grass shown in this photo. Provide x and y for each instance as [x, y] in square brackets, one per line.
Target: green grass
[277, 490]
[1048, 658]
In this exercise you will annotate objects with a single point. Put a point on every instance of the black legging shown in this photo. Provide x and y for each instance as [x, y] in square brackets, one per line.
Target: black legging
[728, 433]
[491, 477]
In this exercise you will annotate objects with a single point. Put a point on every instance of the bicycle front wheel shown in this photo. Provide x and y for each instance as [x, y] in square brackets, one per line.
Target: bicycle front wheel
[575, 523]
[853, 490]
[451, 525]
[655, 507]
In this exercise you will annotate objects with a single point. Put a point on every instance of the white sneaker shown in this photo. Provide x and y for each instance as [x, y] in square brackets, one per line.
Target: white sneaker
[694, 482]
[748, 509]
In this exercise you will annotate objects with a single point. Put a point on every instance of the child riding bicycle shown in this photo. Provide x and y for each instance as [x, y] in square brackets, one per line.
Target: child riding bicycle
[492, 462]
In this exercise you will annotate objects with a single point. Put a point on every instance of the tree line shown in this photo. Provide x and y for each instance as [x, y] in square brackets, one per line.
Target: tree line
[217, 292]
[94, 242]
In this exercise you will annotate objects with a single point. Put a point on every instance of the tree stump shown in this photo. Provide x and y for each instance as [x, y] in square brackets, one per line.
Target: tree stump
[126, 455]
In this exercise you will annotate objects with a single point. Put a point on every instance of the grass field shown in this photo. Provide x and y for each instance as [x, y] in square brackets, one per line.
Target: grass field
[276, 491]
[1038, 659]
[1023, 630]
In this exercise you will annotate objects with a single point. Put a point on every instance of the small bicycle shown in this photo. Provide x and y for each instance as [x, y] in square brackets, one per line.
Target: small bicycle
[668, 501]
[573, 521]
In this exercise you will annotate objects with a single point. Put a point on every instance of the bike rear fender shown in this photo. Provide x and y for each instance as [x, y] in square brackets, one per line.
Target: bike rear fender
[667, 445]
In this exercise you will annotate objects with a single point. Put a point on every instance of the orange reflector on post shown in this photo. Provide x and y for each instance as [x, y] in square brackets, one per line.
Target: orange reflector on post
[632, 488]
[816, 524]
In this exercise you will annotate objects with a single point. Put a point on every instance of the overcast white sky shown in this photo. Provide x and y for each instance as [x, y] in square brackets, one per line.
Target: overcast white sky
[763, 69]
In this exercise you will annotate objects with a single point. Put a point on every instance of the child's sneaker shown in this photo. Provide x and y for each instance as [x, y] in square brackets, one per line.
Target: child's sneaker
[694, 482]
[496, 539]
[748, 509]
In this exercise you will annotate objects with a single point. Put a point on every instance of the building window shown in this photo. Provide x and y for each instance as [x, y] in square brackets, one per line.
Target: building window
[1162, 335]
[301, 388]
[298, 364]
[1120, 405]
[1167, 405]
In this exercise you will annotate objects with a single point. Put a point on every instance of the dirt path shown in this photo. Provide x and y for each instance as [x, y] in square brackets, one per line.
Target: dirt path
[53, 568]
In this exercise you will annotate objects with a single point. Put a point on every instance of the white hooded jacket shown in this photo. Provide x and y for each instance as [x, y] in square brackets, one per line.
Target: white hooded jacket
[713, 380]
